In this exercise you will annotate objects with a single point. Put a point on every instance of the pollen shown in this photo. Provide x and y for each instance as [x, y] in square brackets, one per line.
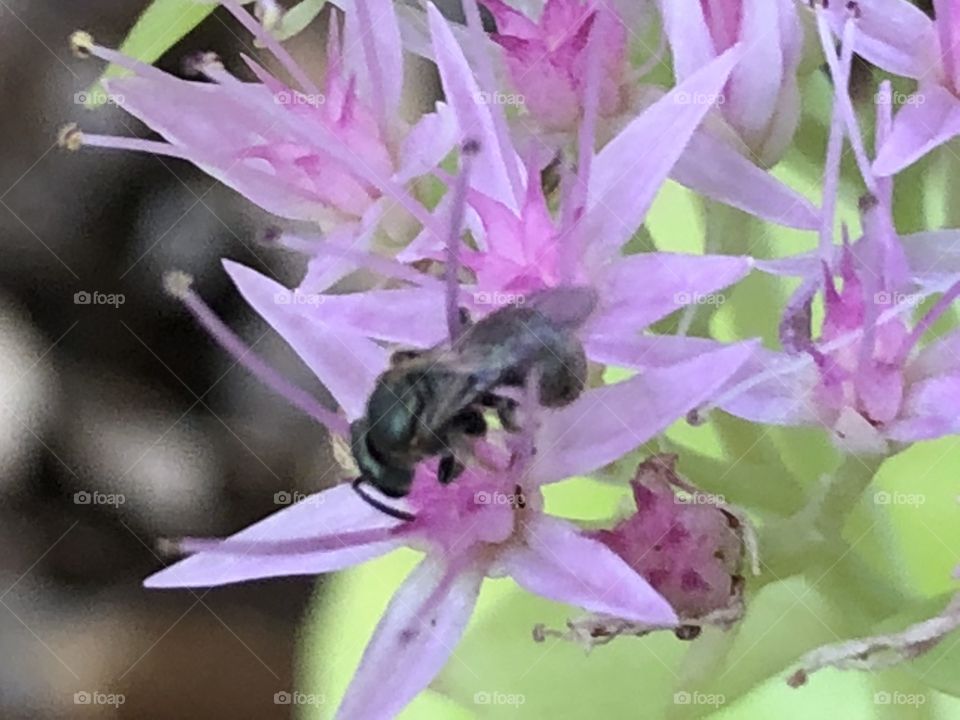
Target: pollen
[81, 43]
[70, 137]
[177, 283]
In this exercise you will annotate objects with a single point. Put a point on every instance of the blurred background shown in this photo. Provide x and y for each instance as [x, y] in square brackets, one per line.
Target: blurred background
[120, 422]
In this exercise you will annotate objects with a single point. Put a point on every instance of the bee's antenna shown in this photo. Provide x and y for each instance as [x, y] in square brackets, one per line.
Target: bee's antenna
[382, 507]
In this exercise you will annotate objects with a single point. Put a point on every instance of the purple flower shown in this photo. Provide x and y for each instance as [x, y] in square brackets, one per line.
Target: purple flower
[547, 59]
[761, 102]
[305, 152]
[897, 36]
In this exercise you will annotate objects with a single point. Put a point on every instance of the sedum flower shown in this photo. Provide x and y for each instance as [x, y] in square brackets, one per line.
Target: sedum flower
[547, 59]
[327, 154]
[761, 102]
[899, 37]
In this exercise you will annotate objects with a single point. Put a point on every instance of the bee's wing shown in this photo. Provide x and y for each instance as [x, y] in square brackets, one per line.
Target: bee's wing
[567, 306]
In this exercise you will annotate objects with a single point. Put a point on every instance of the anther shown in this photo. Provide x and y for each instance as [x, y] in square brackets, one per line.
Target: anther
[177, 283]
[70, 137]
[81, 44]
[200, 63]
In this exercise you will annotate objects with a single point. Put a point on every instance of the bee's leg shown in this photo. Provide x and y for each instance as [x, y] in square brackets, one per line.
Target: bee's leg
[401, 356]
[449, 469]
[506, 409]
[465, 319]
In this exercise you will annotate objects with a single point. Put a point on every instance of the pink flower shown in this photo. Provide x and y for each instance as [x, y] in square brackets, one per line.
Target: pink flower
[547, 59]
[305, 152]
[899, 37]
[761, 102]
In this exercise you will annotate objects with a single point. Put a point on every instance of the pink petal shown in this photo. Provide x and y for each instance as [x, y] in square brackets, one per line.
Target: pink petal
[330, 530]
[609, 421]
[929, 410]
[641, 289]
[628, 172]
[689, 36]
[385, 31]
[940, 357]
[713, 168]
[407, 316]
[933, 256]
[346, 363]
[414, 639]
[781, 399]
[559, 563]
[928, 119]
[892, 34]
[462, 92]
[427, 143]
[646, 351]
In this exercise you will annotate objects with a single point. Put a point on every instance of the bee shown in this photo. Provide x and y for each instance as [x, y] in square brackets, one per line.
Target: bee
[431, 403]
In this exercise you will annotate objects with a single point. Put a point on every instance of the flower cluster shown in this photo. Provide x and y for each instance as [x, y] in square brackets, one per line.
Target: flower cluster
[558, 129]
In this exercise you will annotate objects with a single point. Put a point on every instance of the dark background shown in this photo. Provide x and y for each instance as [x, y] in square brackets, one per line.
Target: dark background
[132, 400]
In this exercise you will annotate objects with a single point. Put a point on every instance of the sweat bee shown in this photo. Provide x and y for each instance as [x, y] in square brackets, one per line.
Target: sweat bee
[431, 403]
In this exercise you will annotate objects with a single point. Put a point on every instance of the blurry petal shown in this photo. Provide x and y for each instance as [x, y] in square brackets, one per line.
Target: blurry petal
[641, 289]
[929, 410]
[777, 399]
[609, 421]
[328, 531]
[690, 40]
[643, 351]
[427, 143]
[630, 169]
[713, 168]
[346, 363]
[929, 118]
[414, 639]
[559, 563]
[473, 116]
[408, 316]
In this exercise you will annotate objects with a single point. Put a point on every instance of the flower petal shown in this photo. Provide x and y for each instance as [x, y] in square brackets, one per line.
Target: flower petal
[629, 170]
[929, 118]
[712, 167]
[641, 289]
[346, 363]
[427, 143]
[645, 351]
[609, 421]
[408, 316]
[777, 399]
[690, 42]
[474, 118]
[327, 531]
[559, 563]
[414, 639]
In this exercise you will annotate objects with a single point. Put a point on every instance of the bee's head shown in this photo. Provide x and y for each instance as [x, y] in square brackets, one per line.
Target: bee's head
[391, 479]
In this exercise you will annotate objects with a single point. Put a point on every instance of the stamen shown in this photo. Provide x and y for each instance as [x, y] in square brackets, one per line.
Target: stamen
[81, 44]
[179, 285]
[118, 142]
[457, 211]
[374, 67]
[939, 308]
[270, 43]
[259, 548]
[884, 128]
